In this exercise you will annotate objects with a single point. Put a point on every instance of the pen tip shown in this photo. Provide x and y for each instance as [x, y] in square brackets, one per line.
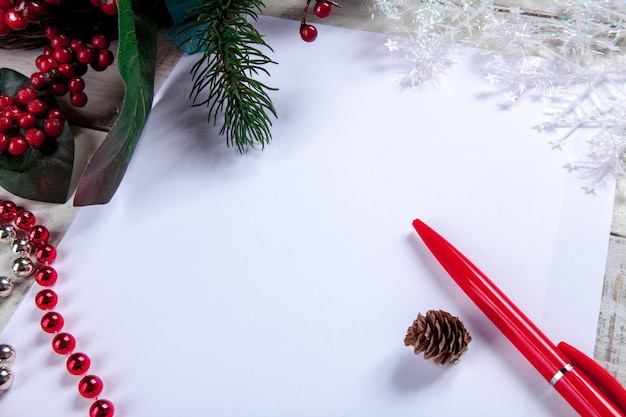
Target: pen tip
[419, 226]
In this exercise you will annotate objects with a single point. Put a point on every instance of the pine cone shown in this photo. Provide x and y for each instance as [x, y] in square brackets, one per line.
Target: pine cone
[439, 335]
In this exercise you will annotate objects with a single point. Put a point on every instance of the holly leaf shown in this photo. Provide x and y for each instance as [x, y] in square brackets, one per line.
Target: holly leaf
[136, 64]
[42, 174]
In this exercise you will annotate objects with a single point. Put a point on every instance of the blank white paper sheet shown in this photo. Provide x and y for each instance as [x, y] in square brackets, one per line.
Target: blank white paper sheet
[281, 282]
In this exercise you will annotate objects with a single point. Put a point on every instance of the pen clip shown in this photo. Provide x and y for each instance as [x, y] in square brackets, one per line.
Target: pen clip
[599, 376]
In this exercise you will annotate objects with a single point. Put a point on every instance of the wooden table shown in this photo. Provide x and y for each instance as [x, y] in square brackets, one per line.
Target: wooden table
[97, 117]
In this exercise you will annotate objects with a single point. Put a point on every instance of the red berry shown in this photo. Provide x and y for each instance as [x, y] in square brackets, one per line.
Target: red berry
[6, 124]
[105, 58]
[59, 89]
[95, 3]
[76, 44]
[78, 99]
[51, 31]
[33, 10]
[17, 146]
[12, 112]
[308, 33]
[109, 7]
[66, 70]
[45, 62]
[38, 107]
[48, 51]
[4, 28]
[38, 81]
[323, 9]
[5, 100]
[100, 41]
[4, 142]
[15, 20]
[55, 114]
[24, 95]
[27, 120]
[63, 54]
[35, 137]
[59, 40]
[86, 55]
[76, 84]
[53, 127]
[52, 76]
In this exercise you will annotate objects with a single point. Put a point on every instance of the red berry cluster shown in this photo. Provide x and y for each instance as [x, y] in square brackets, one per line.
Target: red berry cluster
[66, 60]
[26, 121]
[323, 9]
[18, 14]
[107, 6]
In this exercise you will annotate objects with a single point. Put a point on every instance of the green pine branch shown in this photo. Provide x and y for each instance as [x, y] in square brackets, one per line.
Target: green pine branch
[223, 78]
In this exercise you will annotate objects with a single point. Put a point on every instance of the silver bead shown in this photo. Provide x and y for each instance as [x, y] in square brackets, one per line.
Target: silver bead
[7, 232]
[6, 378]
[23, 267]
[7, 355]
[21, 247]
[6, 287]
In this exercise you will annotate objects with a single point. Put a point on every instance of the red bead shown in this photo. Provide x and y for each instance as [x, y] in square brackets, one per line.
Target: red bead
[308, 33]
[101, 408]
[38, 234]
[25, 219]
[8, 210]
[52, 322]
[46, 254]
[63, 343]
[78, 363]
[46, 299]
[90, 386]
[46, 276]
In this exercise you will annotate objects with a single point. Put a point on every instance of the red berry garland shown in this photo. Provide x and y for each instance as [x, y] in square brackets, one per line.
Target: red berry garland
[35, 242]
[323, 9]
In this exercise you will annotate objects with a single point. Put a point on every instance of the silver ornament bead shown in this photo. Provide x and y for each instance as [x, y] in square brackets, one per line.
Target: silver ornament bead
[7, 233]
[21, 247]
[23, 267]
[7, 355]
[6, 378]
[6, 287]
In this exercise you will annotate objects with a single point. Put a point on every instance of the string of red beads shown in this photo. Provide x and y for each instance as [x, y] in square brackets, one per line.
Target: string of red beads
[89, 386]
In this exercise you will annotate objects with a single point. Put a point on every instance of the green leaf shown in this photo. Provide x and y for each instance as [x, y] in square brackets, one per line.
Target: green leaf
[43, 174]
[137, 65]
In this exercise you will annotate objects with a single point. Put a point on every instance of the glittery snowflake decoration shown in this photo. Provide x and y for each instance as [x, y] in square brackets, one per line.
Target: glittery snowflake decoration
[568, 51]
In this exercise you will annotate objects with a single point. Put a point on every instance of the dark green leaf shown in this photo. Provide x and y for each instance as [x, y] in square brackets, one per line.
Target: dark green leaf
[43, 174]
[136, 64]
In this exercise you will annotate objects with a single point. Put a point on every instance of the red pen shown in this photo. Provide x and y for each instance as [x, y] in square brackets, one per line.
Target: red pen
[581, 381]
